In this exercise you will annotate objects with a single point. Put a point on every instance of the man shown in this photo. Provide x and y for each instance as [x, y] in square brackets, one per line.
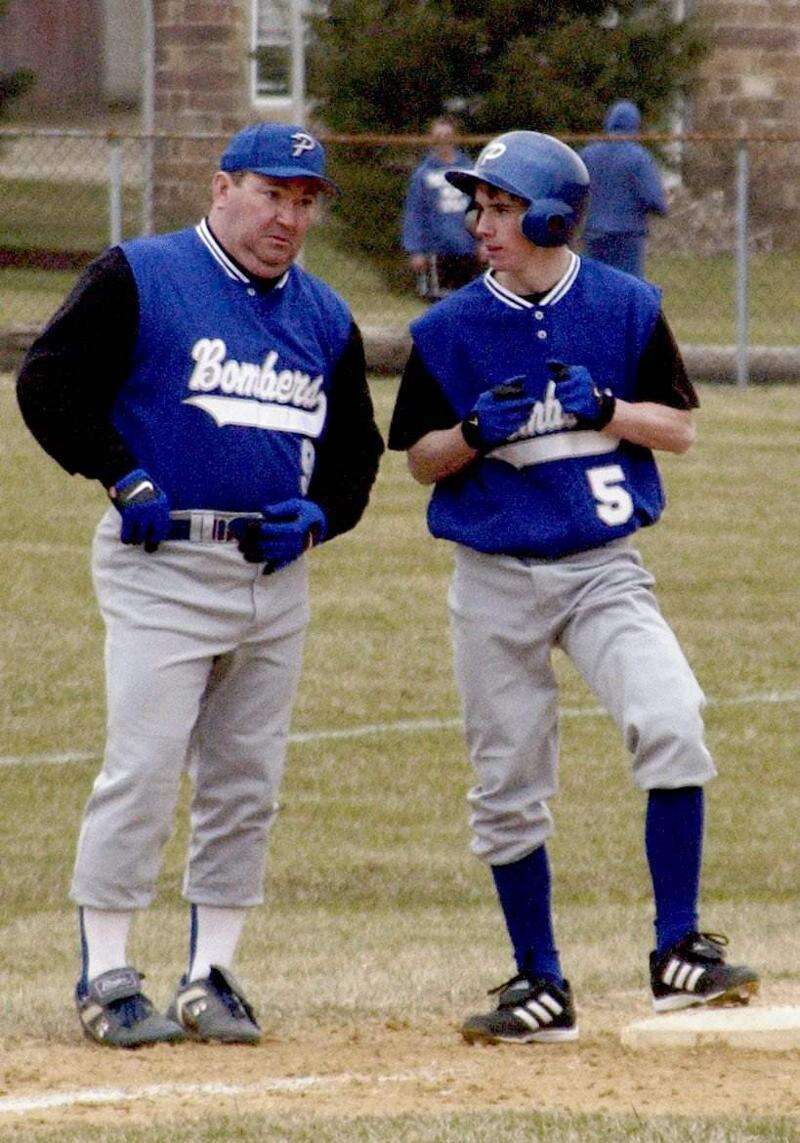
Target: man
[218, 392]
[441, 251]
[626, 189]
[531, 401]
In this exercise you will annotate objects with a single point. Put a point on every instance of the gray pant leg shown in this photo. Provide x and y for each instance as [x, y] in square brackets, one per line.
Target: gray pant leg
[154, 683]
[168, 618]
[509, 696]
[629, 656]
[239, 751]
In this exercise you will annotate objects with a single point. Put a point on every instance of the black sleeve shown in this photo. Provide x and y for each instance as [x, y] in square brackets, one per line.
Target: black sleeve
[662, 375]
[73, 371]
[420, 407]
[348, 455]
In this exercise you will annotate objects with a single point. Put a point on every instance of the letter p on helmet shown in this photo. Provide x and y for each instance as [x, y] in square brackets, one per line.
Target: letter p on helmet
[491, 152]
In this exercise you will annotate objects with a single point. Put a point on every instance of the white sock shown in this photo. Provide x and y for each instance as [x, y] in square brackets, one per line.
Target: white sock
[104, 937]
[215, 935]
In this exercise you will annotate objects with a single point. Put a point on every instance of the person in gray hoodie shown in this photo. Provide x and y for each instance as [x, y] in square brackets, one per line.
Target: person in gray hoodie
[626, 188]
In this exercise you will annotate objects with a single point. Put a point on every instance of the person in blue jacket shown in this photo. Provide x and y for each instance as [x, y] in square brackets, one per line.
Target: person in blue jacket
[441, 251]
[626, 188]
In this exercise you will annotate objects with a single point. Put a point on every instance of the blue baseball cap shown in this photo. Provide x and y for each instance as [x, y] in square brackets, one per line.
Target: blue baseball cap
[282, 150]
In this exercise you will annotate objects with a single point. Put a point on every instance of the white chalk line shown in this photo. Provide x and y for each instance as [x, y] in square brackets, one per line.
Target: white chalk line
[404, 726]
[47, 1101]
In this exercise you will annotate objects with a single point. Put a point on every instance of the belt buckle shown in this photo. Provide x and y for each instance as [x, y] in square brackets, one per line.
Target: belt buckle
[201, 527]
[209, 527]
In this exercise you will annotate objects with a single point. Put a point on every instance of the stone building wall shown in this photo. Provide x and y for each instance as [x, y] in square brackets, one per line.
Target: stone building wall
[751, 86]
[201, 85]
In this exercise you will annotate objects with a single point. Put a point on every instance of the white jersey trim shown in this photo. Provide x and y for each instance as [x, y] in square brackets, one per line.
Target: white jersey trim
[503, 295]
[562, 288]
[218, 254]
[224, 260]
[555, 294]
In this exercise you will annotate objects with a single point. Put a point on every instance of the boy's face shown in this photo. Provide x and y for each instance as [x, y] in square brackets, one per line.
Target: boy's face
[499, 230]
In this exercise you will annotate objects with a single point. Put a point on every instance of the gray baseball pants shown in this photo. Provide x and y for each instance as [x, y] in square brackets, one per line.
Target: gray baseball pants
[203, 656]
[507, 616]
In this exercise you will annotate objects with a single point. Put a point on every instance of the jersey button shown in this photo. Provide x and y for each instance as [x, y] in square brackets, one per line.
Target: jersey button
[251, 292]
[538, 315]
[541, 334]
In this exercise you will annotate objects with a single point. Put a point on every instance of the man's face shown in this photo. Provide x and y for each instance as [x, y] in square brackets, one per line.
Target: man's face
[442, 134]
[261, 220]
[498, 228]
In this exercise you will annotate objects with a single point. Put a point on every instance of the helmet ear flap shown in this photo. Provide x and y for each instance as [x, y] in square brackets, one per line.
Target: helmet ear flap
[548, 222]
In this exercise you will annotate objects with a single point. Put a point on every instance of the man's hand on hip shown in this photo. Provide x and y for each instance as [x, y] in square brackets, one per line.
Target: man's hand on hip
[144, 509]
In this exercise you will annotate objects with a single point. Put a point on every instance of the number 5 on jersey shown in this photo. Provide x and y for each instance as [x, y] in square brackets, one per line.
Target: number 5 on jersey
[614, 503]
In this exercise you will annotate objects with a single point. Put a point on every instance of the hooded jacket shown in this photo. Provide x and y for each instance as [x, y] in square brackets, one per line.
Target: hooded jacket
[433, 219]
[625, 182]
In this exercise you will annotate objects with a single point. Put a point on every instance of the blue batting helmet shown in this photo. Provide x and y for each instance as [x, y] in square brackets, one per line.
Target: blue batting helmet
[541, 170]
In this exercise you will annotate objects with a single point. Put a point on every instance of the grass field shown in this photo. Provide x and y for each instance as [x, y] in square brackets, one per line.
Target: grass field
[64, 215]
[699, 293]
[380, 931]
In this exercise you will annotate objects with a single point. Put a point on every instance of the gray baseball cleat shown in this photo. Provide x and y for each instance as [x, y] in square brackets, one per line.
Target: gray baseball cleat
[693, 971]
[114, 1011]
[215, 1009]
[528, 1011]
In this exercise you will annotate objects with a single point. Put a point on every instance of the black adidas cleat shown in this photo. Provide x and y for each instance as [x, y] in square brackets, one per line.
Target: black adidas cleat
[215, 1009]
[527, 1012]
[693, 971]
[114, 1011]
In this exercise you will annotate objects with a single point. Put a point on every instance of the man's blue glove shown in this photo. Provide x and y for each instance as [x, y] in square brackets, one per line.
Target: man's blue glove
[144, 509]
[577, 394]
[497, 416]
[287, 530]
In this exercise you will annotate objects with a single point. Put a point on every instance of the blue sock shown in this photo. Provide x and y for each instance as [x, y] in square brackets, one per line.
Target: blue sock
[192, 937]
[674, 845]
[83, 981]
[524, 891]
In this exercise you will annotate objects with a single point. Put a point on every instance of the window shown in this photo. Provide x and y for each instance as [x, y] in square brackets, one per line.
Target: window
[680, 115]
[272, 50]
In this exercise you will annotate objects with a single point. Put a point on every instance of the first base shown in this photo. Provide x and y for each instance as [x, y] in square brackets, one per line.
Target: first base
[755, 1029]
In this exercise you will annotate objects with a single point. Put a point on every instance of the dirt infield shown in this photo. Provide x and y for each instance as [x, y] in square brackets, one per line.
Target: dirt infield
[385, 1069]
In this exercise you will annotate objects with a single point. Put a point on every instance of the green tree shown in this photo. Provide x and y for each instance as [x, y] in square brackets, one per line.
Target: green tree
[551, 65]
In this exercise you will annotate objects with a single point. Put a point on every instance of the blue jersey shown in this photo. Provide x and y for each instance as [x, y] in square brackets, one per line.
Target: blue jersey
[433, 219]
[626, 184]
[229, 385]
[559, 489]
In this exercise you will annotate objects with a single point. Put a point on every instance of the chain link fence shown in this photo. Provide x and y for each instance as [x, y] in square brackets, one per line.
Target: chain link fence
[726, 256]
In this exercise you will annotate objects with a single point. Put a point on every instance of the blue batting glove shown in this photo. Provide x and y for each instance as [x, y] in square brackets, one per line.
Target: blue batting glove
[498, 415]
[578, 395]
[144, 509]
[288, 529]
